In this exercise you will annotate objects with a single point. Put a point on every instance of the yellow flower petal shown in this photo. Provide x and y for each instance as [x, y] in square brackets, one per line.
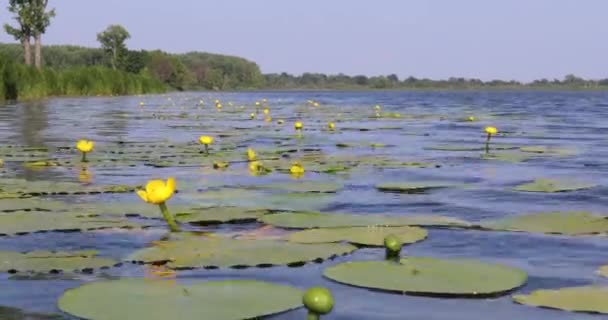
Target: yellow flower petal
[154, 185]
[143, 195]
[171, 185]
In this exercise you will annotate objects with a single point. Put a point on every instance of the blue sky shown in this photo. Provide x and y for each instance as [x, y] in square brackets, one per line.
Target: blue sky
[487, 39]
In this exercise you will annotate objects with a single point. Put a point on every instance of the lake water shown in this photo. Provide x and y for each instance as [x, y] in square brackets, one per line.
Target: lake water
[574, 121]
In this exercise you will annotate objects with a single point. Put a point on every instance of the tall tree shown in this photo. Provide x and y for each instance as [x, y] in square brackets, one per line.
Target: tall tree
[40, 20]
[113, 41]
[23, 32]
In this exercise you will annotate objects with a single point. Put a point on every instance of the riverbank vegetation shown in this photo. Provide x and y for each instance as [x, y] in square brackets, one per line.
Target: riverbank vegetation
[21, 82]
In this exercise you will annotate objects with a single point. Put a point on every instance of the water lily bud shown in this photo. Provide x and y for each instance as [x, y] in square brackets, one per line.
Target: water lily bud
[318, 300]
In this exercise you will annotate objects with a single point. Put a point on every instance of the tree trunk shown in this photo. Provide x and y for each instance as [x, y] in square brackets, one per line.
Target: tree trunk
[27, 51]
[114, 57]
[38, 53]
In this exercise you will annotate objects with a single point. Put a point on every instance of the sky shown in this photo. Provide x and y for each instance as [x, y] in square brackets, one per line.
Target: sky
[486, 39]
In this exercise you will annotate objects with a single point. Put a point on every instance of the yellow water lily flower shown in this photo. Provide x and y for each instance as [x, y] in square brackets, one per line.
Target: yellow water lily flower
[257, 103]
[264, 100]
[85, 146]
[298, 125]
[157, 191]
[256, 168]
[206, 140]
[331, 126]
[491, 131]
[268, 119]
[141, 103]
[296, 168]
[1, 163]
[280, 121]
[471, 119]
[266, 111]
[377, 107]
[252, 116]
[251, 155]
[219, 105]
[217, 101]
[316, 104]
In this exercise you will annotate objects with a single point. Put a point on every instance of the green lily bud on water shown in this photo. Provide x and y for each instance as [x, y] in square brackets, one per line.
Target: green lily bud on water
[318, 301]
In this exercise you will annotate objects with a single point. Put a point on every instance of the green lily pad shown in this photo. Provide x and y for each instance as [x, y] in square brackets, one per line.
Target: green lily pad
[367, 236]
[18, 314]
[222, 252]
[43, 261]
[302, 186]
[219, 215]
[568, 223]
[513, 157]
[31, 204]
[552, 151]
[575, 299]
[27, 222]
[310, 220]
[552, 186]
[479, 147]
[603, 271]
[430, 277]
[41, 188]
[412, 187]
[161, 300]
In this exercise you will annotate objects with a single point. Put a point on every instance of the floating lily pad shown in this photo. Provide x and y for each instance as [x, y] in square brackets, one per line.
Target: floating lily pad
[218, 215]
[430, 277]
[222, 252]
[309, 220]
[31, 204]
[479, 147]
[575, 299]
[412, 187]
[161, 300]
[603, 271]
[553, 151]
[367, 236]
[41, 188]
[43, 261]
[552, 186]
[513, 157]
[303, 187]
[568, 223]
[17, 314]
[27, 222]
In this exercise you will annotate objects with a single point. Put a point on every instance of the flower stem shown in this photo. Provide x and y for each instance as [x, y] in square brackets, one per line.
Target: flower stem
[393, 255]
[313, 316]
[169, 218]
[488, 143]
[84, 157]
[207, 149]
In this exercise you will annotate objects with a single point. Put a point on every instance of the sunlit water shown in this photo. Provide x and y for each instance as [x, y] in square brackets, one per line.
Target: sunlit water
[570, 120]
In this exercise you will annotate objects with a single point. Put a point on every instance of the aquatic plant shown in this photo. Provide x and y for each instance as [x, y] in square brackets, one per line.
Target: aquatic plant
[251, 154]
[491, 131]
[206, 141]
[318, 301]
[331, 126]
[85, 146]
[158, 192]
[297, 170]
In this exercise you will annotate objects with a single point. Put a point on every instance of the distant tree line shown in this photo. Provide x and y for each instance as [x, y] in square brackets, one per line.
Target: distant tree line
[314, 81]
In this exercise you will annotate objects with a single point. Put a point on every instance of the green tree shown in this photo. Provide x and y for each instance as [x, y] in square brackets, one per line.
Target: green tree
[23, 32]
[113, 41]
